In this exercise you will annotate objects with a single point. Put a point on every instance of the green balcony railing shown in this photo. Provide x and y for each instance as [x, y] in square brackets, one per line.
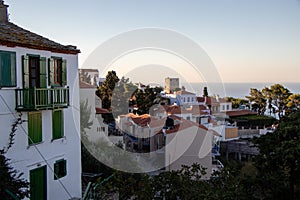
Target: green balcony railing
[41, 98]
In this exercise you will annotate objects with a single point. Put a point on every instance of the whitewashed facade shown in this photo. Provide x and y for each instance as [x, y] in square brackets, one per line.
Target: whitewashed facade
[47, 143]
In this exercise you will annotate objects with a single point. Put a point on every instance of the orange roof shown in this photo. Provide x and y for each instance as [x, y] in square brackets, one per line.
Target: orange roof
[85, 85]
[102, 111]
[183, 92]
[235, 113]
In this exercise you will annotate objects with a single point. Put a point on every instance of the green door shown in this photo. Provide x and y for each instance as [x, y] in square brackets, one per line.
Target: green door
[38, 184]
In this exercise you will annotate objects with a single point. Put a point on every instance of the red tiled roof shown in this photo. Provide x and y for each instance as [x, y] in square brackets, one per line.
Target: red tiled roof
[86, 85]
[235, 113]
[12, 35]
[183, 92]
[102, 111]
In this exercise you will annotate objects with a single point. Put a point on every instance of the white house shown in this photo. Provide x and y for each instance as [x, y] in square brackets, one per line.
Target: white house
[39, 84]
[93, 107]
[182, 98]
[182, 143]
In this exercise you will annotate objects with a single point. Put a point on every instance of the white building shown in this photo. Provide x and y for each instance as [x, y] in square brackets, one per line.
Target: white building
[93, 104]
[39, 83]
[182, 98]
[184, 143]
[171, 84]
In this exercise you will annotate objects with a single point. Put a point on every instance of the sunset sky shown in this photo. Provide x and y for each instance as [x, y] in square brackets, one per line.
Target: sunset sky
[247, 40]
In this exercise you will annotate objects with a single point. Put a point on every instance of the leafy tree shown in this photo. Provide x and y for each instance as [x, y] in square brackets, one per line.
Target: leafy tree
[277, 96]
[121, 96]
[145, 99]
[293, 103]
[11, 184]
[278, 163]
[237, 102]
[106, 89]
[258, 101]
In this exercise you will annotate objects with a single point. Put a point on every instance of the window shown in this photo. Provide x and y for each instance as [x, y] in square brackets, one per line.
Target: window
[57, 72]
[7, 69]
[34, 127]
[57, 124]
[34, 71]
[103, 129]
[188, 99]
[188, 118]
[227, 107]
[60, 169]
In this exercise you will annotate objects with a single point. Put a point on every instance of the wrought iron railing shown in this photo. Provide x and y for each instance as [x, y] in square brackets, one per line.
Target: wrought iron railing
[41, 98]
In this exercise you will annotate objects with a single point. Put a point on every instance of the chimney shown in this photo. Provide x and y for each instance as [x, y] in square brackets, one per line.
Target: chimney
[3, 12]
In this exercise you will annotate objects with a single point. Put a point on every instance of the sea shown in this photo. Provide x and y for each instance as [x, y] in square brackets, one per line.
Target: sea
[237, 90]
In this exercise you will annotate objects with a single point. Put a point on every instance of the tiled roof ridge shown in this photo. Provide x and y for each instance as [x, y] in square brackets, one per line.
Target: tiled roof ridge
[13, 35]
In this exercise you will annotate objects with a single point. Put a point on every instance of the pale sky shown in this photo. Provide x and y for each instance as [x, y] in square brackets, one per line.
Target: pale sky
[247, 40]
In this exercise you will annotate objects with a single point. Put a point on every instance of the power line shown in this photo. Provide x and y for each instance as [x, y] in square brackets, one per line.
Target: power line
[36, 148]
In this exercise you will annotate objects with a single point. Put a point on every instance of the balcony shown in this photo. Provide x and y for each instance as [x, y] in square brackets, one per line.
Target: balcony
[41, 98]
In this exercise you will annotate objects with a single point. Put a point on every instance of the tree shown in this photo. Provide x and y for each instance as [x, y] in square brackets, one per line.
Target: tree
[105, 91]
[12, 186]
[257, 100]
[121, 96]
[277, 96]
[293, 103]
[278, 163]
[237, 102]
[145, 99]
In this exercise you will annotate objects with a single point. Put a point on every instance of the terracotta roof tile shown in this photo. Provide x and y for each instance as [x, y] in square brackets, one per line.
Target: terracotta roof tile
[12, 35]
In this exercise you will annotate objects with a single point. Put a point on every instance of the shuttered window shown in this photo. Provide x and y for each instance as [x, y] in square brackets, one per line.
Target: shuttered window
[34, 127]
[57, 124]
[60, 169]
[7, 69]
[57, 72]
[34, 71]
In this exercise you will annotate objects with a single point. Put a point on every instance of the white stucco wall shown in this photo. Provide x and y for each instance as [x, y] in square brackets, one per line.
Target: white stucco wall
[24, 157]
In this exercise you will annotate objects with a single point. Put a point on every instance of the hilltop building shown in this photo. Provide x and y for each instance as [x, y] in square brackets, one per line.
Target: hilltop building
[39, 85]
[171, 84]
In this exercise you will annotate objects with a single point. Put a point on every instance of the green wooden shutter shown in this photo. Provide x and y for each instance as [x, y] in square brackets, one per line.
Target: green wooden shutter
[25, 62]
[64, 73]
[51, 71]
[60, 169]
[38, 183]
[57, 124]
[7, 69]
[43, 72]
[34, 127]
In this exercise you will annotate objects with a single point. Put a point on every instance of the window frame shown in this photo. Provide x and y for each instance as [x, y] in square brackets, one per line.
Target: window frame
[13, 72]
[60, 169]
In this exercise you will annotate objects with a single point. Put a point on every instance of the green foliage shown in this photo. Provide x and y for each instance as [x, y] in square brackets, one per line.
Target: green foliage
[258, 101]
[254, 120]
[121, 96]
[278, 163]
[276, 98]
[11, 184]
[85, 115]
[105, 91]
[147, 98]
[237, 102]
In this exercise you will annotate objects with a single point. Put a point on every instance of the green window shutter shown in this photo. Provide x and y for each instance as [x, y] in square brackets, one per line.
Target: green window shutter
[57, 124]
[25, 62]
[60, 169]
[34, 127]
[64, 167]
[51, 71]
[43, 72]
[64, 73]
[7, 69]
